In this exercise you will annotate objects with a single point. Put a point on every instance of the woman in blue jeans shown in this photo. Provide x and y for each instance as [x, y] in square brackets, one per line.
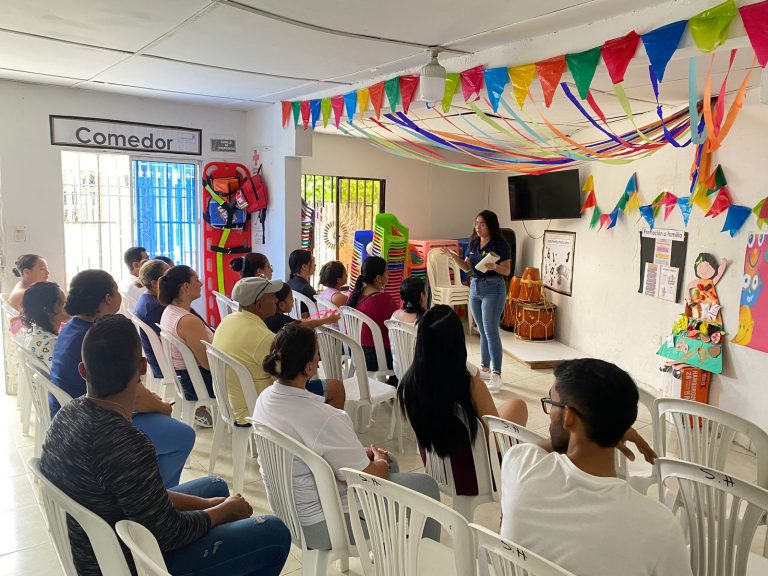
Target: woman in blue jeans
[487, 291]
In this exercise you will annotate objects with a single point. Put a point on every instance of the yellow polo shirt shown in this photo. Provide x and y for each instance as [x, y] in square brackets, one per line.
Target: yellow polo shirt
[246, 338]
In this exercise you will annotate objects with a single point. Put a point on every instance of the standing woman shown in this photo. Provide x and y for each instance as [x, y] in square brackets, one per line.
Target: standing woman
[487, 291]
[30, 269]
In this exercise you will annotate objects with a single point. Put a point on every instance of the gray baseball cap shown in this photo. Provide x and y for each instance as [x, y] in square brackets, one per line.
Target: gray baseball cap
[249, 290]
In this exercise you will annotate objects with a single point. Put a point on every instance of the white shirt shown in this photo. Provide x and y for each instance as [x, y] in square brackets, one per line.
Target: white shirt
[131, 291]
[322, 428]
[590, 525]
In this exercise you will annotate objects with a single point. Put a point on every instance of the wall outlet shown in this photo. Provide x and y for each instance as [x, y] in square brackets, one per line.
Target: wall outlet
[20, 234]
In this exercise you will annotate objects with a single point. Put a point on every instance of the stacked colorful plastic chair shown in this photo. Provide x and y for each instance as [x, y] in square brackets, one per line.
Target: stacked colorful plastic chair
[417, 255]
[390, 241]
[307, 226]
[361, 241]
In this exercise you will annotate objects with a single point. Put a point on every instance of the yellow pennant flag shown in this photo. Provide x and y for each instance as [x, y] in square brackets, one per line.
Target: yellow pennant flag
[362, 101]
[633, 203]
[521, 77]
[589, 185]
[700, 198]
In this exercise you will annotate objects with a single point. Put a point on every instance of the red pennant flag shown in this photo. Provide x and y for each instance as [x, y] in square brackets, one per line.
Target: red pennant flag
[668, 199]
[376, 93]
[721, 203]
[755, 19]
[337, 103]
[472, 82]
[286, 112]
[604, 219]
[305, 113]
[550, 71]
[408, 85]
[617, 53]
[763, 214]
[668, 210]
[590, 201]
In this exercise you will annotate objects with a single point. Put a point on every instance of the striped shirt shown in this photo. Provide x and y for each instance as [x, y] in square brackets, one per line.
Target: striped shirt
[106, 464]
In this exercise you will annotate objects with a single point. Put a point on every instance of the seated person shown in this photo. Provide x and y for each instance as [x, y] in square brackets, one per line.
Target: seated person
[562, 499]
[288, 407]
[443, 396]
[92, 295]
[96, 457]
[368, 298]
[244, 336]
[29, 268]
[166, 260]
[176, 290]
[301, 264]
[43, 315]
[413, 293]
[148, 308]
[333, 275]
[134, 258]
[285, 304]
[252, 264]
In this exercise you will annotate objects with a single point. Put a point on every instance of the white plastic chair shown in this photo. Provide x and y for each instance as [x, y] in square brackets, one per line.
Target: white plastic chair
[362, 391]
[628, 470]
[445, 285]
[353, 322]
[9, 316]
[221, 364]
[402, 338]
[56, 506]
[225, 305]
[159, 386]
[23, 387]
[144, 548]
[324, 304]
[502, 435]
[298, 300]
[278, 454]
[188, 407]
[395, 517]
[723, 513]
[440, 469]
[507, 558]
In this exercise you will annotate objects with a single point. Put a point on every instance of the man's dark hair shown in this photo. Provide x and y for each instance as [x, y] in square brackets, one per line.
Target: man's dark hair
[133, 254]
[111, 354]
[604, 396]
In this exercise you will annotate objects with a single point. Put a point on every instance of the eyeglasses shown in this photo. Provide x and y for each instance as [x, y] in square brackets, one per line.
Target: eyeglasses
[547, 404]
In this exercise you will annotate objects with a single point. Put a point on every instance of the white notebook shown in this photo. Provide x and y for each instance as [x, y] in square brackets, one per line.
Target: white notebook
[490, 258]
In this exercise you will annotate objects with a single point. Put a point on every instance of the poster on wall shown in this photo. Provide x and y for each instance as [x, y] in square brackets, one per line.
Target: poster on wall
[662, 259]
[753, 307]
[557, 261]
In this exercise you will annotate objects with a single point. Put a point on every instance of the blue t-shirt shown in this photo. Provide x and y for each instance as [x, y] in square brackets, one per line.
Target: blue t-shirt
[475, 254]
[66, 358]
[149, 310]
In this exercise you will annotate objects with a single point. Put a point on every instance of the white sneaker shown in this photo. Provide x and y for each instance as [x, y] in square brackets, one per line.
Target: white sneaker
[495, 383]
[203, 418]
[485, 375]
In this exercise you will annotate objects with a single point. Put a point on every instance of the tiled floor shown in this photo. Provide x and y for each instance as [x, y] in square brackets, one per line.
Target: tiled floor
[25, 547]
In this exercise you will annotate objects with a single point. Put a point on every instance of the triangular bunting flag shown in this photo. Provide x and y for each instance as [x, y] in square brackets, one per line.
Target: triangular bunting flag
[647, 213]
[296, 113]
[668, 209]
[305, 113]
[657, 204]
[495, 81]
[622, 203]
[604, 219]
[614, 216]
[617, 53]
[755, 19]
[521, 78]
[408, 85]
[350, 102]
[472, 83]
[595, 217]
[710, 28]
[721, 203]
[661, 43]
[452, 80]
[589, 184]
[761, 212]
[325, 109]
[337, 103]
[314, 108]
[720, 180]
[699, 198]
[392, 88]
[363, 98]
[631, 184]
[376, 92]
[633, 203]
[685, 208]
[550, 71]
[590, 201]
[286, 112]
[582, 66]
[735, 219]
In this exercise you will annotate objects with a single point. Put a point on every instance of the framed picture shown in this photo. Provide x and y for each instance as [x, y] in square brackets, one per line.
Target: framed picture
[557, 261]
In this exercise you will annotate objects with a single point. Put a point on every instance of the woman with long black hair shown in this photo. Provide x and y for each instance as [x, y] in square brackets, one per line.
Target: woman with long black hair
[488, 290]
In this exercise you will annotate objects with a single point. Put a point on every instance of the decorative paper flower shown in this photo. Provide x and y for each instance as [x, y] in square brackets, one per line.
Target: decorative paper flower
[716, 338]
[680, 324]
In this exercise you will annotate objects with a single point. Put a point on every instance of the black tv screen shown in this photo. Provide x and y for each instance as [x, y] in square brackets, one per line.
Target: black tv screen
[554, 195]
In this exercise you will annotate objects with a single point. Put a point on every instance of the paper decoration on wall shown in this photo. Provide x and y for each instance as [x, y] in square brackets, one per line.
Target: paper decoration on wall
[522, 78]
[363, 99]
[755, 18]
[710, 28]
[350, 103]
[582, 66]
[617, 54]
[392, 89]
[753, 307]
[296, 112]
[662, 260]
[305, 113]
[408, 86]
[661, 43]
[286, 113]
[684, 203]
[452, 80]
[495, 81]
[647, 213]
[337, 102]
[376, 94]
[735, 219]
[472, 83]
[314, 108]
[549, 72]
[325, 109]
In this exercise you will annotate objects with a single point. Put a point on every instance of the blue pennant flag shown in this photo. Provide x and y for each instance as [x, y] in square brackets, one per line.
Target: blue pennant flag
[631, 185]
[647, 213]
[684, 203]
[735, 218]
[350, 101]
[495, 81]
[314, 109]
[661, 43]
[614, 218]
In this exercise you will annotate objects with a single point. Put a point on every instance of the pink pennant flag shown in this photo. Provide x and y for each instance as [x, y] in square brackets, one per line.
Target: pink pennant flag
[305, 113]
[472, 83]
[763, 214]
[408, 85]
[337, 103]
[755, 19]
[721, 203]
[617, 53]
[604, 219]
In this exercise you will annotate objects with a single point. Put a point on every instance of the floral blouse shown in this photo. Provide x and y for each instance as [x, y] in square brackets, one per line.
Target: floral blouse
[41, 343]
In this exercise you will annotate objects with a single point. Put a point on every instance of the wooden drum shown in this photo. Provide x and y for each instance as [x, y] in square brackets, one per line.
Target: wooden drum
[530, 286]
[510, 305]
[535, 321]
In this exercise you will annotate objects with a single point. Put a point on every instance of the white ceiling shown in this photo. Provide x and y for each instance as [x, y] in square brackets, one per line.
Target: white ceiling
[246, 53]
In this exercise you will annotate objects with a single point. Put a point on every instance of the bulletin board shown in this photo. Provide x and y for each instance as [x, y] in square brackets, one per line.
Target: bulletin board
[662, 263]
[557, 254]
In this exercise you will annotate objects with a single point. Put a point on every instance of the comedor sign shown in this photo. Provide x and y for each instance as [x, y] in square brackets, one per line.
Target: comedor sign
[121, 135]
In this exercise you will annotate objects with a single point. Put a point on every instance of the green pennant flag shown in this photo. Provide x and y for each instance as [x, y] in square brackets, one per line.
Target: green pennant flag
[720, 180]
[656, 205]
[710, 28]
[325, 108]
[296, 112]
[622, 204]
[451, 84]
[582, 66]
[596, 213]
[392, 88]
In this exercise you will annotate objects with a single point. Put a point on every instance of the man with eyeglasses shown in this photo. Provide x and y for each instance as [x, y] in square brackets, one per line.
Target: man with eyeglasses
[562, 498]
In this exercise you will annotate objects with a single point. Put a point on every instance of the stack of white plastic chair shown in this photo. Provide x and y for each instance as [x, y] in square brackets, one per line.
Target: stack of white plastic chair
[445, 281]
[225, 305]
[144, 548]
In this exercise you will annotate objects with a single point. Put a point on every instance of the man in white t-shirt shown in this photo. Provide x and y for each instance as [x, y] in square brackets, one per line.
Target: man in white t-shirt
[562, 499]
[134, 257]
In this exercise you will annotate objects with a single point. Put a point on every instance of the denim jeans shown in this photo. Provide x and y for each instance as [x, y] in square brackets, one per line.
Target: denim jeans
[189, 388]
[486, 297]
[173, 441]
[256, 546]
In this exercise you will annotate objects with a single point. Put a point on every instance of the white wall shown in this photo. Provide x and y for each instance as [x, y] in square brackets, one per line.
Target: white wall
[606, 317]
[30, 167]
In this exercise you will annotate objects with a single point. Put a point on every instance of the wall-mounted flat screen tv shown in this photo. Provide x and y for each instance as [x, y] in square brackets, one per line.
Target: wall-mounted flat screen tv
[555, 195]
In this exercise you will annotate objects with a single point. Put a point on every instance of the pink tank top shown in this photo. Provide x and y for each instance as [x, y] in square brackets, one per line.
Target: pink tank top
[169, 321]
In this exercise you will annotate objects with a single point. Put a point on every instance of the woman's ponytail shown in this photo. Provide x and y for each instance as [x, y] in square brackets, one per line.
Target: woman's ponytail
[354, 296]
